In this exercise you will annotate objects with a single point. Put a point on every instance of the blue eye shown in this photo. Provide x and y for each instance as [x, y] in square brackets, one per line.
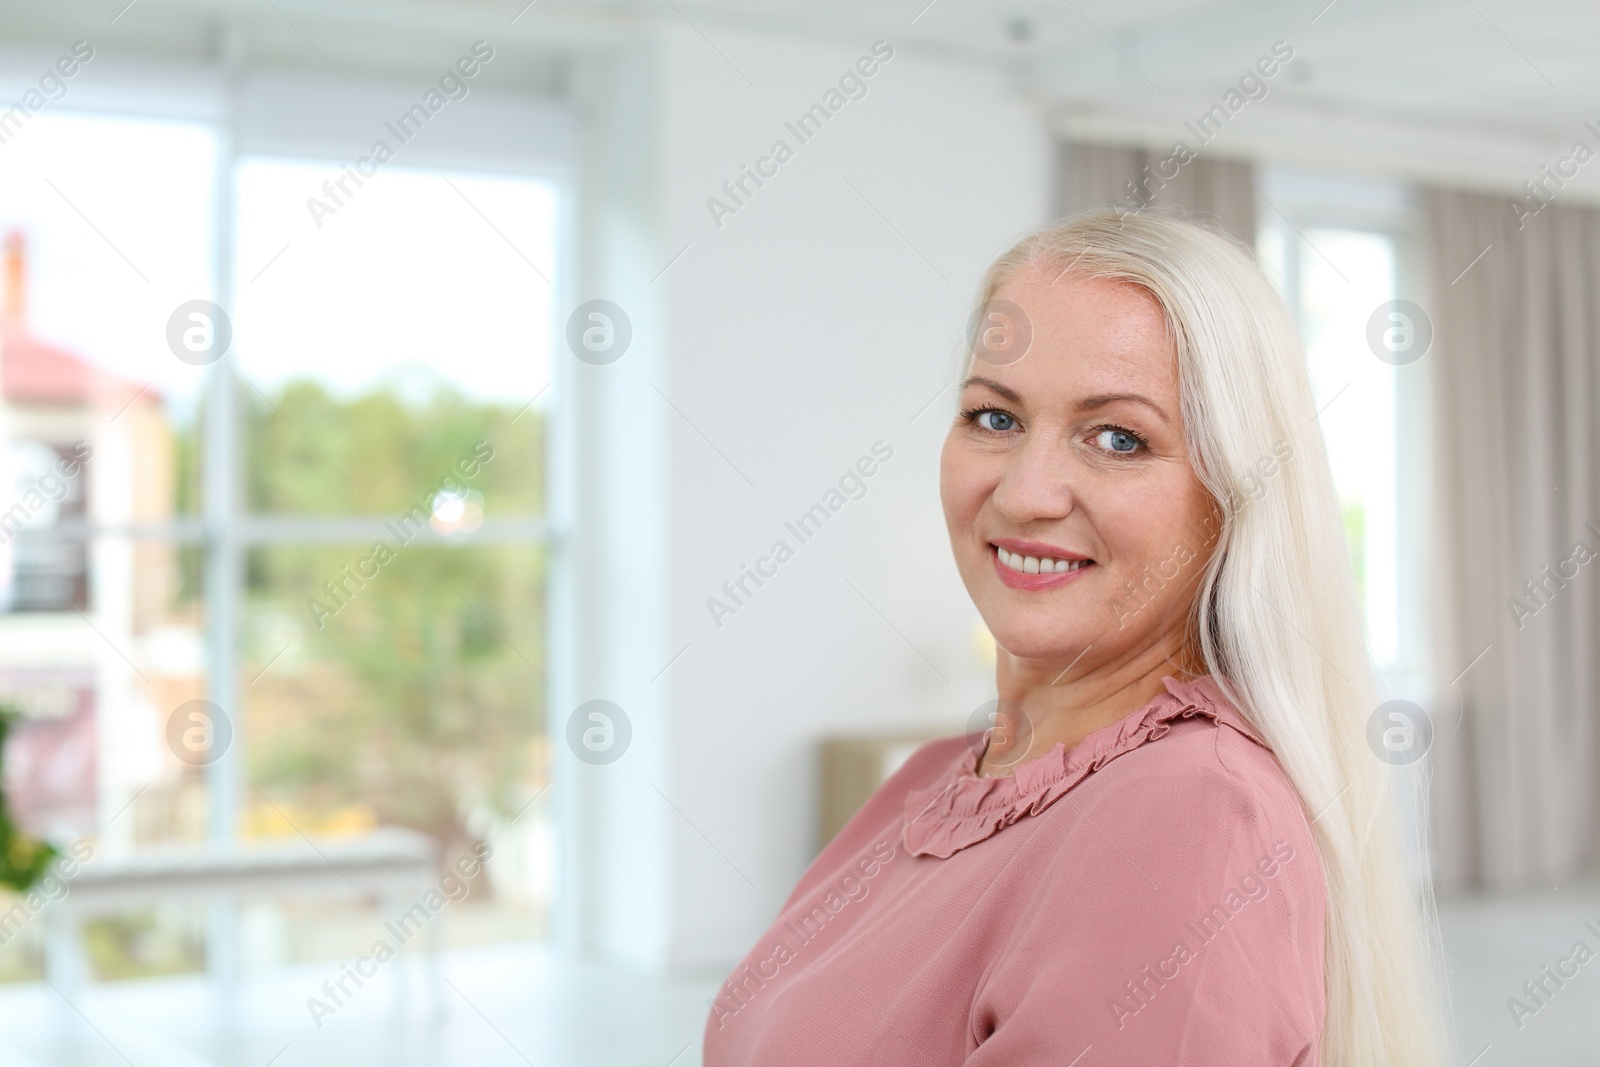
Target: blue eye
[998, 421]
[1113, 439]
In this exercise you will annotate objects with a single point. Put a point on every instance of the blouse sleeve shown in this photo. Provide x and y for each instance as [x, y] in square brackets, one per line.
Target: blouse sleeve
[1182, 923]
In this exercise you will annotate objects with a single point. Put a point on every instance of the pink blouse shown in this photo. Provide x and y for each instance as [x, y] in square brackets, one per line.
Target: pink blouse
[1150, 897]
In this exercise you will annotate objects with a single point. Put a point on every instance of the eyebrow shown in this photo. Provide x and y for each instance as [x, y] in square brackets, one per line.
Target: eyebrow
[1091, 403]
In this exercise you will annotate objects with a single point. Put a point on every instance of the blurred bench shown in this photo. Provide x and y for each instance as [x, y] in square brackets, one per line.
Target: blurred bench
[397, 866]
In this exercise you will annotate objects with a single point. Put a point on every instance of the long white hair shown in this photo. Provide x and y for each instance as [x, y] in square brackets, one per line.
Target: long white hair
[1275, 611]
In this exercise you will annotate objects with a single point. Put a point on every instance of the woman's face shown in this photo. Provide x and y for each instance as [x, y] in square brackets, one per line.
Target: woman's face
[1075, 514]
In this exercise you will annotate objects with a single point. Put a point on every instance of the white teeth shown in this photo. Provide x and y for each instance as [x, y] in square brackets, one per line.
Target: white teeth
[1037, 565]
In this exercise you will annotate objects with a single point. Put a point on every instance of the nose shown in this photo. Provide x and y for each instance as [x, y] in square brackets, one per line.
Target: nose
[1037, 482]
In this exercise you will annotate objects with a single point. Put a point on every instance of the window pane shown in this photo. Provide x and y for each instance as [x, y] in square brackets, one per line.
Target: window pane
[1345, 276]
[42, 567]
[383, 452]
[383, 338]
[107, 226]
[107, 229]
[413, 696]
[96, 687]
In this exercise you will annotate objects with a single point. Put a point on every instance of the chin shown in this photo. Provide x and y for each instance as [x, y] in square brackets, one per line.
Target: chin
[1039, 640]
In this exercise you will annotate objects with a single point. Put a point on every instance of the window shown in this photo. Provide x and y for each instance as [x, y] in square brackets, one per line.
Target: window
[337, 528]
[107, 224]
[1338, 248]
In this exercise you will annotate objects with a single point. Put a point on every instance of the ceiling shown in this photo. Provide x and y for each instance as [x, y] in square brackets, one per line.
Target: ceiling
[1505, 61]
[1481, 90]
[1485, 90]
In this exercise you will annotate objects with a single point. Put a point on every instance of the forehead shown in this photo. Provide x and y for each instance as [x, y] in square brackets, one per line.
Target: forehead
[1089, 335]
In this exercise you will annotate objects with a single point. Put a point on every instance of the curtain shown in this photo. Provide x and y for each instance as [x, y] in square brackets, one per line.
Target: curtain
[1090, 176]
[1516, 436]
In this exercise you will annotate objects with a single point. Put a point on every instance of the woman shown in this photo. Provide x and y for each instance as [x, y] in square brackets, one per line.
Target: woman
[1173, 846]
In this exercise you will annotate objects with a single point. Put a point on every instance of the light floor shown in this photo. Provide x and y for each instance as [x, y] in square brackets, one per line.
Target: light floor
[522, 1004]
[514, 1004]
[1495, 944]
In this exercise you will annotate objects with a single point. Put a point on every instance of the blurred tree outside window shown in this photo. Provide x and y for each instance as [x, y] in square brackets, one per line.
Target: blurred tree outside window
[414, 696]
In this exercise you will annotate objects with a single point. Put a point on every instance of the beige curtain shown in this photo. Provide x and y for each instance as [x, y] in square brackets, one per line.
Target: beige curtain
[1090, 176]
[1516, 314]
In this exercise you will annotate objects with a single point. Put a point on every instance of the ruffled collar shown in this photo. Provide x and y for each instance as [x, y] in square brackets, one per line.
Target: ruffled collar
[959, 808]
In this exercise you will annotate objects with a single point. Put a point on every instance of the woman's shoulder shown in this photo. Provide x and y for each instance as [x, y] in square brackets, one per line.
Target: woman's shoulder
[1209, 764]
[1206, 813]
[1173, 900]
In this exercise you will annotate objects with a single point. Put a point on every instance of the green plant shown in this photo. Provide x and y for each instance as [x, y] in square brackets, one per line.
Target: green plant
[22, 858]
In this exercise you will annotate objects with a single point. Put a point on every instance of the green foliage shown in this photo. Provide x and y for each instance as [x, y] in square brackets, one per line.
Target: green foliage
[310, 452]
[23, 859]
[421, 694]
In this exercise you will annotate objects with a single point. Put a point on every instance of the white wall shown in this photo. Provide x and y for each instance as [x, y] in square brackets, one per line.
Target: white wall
[794, 336]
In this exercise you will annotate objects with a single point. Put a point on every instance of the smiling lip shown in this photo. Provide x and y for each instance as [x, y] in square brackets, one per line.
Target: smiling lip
[1031, 582]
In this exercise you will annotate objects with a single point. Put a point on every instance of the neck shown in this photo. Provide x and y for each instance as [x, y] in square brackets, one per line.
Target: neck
[1063, 702]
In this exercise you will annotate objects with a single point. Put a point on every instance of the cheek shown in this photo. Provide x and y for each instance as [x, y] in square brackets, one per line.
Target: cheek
[1133, 522]
[1146, 522]
[960, 485]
